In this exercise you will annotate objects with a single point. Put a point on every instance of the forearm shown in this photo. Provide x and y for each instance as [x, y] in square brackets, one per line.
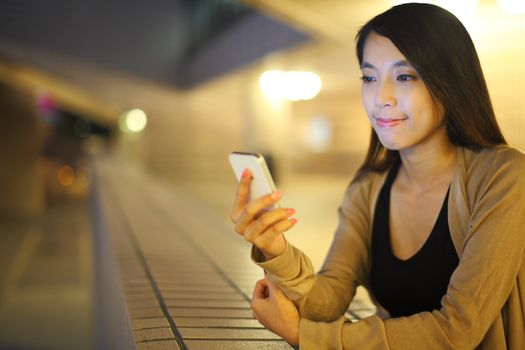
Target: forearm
[371, 333]
[292, 271]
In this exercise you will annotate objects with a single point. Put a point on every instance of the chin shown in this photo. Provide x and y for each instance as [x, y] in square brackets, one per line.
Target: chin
[391, 145]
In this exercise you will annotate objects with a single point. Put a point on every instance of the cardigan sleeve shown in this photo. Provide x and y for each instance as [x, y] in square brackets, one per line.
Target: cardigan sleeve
[491, 258]
[325, 296]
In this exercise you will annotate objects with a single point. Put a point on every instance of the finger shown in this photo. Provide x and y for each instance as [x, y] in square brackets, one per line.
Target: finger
[284, 225]
[255, 209]
[242, 195]
[273, 289]
[265, 221]
[260, 290]
[270, 234]
[260, 294]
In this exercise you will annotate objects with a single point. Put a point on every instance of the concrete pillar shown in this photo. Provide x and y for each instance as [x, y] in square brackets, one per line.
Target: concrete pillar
[22, 136]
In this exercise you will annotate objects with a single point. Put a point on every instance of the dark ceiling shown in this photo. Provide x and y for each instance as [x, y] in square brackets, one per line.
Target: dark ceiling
[179, 42]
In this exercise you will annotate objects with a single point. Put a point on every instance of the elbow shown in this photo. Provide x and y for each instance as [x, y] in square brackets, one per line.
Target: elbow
[321, 312]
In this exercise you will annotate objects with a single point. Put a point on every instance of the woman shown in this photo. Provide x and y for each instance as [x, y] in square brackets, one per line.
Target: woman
[433, 223]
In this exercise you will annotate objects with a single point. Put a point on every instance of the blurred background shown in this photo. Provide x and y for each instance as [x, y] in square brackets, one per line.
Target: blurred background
[173, 87]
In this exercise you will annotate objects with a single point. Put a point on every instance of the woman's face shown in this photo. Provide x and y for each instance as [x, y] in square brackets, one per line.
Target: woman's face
[397, 101]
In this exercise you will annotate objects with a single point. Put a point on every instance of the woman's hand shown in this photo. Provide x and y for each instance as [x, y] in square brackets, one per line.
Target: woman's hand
[272, 308]
[262, 227]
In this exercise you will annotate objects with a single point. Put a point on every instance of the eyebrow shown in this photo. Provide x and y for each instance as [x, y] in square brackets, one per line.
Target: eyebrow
[402, 63]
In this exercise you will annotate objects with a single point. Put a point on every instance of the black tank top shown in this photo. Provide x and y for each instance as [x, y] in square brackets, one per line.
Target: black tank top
[406, 287]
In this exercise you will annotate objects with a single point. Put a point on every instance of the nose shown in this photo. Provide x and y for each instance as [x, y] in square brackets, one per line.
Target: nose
[385, 94]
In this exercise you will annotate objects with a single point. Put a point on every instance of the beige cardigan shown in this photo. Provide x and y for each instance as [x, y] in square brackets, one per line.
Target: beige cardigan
[484, 307]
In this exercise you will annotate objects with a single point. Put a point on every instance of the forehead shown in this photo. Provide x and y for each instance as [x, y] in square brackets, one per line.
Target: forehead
[378, 48]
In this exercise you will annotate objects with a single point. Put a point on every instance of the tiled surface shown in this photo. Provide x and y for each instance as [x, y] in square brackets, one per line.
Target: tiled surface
[227, 333]
[158, 345]
[145, 323]
[142, 335]
[236, 345]
[173, 287]
[216, 322]
[187, 280]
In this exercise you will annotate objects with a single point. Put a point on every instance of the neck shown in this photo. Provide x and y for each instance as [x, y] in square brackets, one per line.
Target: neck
[424, 168]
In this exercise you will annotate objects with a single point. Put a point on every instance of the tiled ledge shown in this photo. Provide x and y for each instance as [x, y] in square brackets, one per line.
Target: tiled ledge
[186, 278]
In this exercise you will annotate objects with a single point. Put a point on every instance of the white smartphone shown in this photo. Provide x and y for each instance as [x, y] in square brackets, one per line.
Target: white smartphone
[262, 182]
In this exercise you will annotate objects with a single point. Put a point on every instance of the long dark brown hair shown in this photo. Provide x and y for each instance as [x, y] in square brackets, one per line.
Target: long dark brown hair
[439, 47]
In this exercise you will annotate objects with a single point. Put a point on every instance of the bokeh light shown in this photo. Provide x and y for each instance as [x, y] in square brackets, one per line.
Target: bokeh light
[512, 7]
[133, 121]
[66, 176]
[292, 85]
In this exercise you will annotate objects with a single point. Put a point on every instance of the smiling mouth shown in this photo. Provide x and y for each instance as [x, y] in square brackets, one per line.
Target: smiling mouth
[389, 122]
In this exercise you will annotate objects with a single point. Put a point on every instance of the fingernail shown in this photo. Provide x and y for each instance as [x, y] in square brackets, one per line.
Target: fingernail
[290, 211]
[246, 172]
[294, 221]
[276, 195]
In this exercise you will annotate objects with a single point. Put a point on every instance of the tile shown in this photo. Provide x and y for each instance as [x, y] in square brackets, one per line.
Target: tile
[202, 295]
[165, 290]
[208, 303]
[137, 289]
[141, 335]
[155, 322]
[143, 295]
[217, 322]
[177, 261]
[196, 283]
[236, 345]
[136, 283]
[142, 303]
[137, 268]
[191, 267]
[205, 312]
[147, 312]
[174, 275]
[226, 333]
[134, 276]
[158, 345]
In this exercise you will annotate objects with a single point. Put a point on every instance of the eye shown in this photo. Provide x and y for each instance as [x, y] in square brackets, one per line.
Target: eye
[367, 79]
[406, 77]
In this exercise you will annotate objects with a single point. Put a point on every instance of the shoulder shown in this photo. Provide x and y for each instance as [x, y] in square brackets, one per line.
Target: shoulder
[495, 169]
[362, 191]
[365, 184]
[484, 181]
[494, 161]
[494, 155]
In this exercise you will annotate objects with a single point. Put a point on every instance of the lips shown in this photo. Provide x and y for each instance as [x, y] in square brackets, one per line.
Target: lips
[388, 122]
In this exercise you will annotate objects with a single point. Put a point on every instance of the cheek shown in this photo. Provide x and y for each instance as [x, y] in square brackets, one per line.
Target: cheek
[428, 112]
[420, 103]
[367, 99]
[439, 114]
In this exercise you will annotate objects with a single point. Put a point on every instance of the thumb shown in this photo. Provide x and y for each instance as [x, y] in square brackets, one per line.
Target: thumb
[261, 290]
[273, 288]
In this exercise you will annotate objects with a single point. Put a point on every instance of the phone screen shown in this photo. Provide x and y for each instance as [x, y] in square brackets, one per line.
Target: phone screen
[262, 182]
